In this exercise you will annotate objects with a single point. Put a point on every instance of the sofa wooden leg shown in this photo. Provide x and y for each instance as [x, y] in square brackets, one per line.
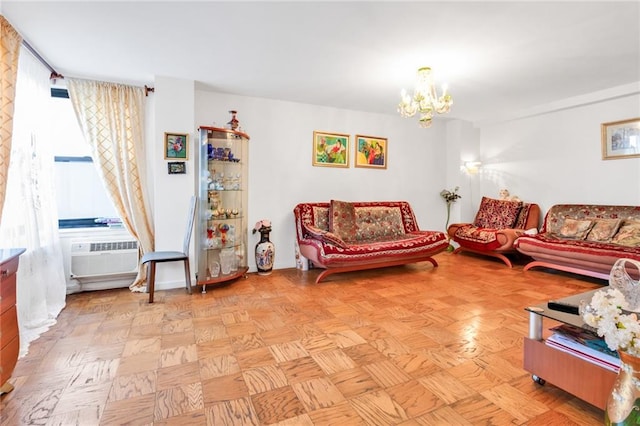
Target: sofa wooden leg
[353, 268]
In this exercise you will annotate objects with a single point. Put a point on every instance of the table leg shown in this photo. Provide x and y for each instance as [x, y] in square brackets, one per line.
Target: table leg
[535, 326]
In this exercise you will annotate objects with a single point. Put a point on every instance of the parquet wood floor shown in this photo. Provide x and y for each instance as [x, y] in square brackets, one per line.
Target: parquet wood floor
[410, 345]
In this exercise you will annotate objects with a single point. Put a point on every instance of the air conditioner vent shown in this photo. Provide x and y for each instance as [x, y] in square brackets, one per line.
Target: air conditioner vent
[114, 245]
[96, 258]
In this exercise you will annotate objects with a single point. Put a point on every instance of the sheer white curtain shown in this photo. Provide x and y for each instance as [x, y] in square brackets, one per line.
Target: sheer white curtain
[29, 217]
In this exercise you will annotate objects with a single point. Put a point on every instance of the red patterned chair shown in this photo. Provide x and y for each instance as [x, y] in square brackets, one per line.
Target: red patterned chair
[584, 239]
[497, 225]
[341, 236]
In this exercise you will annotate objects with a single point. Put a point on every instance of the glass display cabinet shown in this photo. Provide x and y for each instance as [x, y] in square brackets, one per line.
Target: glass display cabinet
[221, 225]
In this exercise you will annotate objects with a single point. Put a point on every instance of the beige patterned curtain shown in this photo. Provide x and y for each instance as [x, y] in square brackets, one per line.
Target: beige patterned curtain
[10, 42]
[111, 117]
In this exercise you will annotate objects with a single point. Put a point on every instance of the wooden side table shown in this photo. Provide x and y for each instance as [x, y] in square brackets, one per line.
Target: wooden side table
[9, 337]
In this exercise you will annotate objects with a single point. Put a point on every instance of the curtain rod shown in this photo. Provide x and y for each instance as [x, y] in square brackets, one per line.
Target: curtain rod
[55, 75]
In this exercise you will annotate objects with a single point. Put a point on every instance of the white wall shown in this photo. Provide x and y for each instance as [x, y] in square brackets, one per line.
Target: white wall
[547, 158]
[173, 109]
[556, 157]
[281, 174]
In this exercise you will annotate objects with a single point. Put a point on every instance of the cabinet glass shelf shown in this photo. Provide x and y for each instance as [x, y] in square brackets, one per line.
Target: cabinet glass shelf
[222, 187]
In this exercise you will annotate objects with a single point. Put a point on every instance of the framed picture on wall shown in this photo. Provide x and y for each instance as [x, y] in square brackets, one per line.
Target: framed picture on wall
[176, 146]
[371, 151]
[176, 168]
[330, 149]
[621, 139]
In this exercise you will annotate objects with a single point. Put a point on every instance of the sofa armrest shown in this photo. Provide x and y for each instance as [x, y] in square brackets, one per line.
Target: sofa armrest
[506, 237]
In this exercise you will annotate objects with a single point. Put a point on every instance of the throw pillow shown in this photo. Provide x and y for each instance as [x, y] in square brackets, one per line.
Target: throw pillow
[628, 234]
[497, 214]
[603, 230]
[325, 236]
[575, 229]
[342, 220]
[376, 222]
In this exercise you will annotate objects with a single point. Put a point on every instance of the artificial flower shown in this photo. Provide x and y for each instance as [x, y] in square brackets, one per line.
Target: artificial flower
[450, 196]
[608, 315]
[264, 223]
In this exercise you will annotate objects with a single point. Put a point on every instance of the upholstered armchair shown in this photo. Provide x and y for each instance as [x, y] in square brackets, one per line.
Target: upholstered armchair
[498, 223]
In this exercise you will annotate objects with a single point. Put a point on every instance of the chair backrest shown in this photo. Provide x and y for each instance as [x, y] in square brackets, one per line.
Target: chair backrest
[187, 234]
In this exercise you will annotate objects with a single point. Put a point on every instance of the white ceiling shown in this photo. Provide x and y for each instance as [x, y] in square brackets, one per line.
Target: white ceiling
[497, 57]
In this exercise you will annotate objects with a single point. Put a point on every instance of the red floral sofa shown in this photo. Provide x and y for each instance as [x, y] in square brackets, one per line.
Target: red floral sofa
[584, 239]
[341, 236]
[497, 225]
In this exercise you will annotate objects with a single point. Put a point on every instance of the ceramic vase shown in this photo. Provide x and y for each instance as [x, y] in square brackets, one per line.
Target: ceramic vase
[265, 252]
[623, 406]
[233, 123]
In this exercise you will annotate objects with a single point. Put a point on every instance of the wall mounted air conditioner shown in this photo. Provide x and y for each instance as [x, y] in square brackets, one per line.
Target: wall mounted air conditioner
[103, 258]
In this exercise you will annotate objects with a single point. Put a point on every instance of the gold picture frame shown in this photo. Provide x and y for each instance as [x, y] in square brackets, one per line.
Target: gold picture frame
[176, 146]
[621, 139]
[330, 149]
[371, 152]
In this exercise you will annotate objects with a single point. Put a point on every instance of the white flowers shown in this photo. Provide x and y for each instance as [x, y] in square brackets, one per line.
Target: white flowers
[620, 328]
[450, 196]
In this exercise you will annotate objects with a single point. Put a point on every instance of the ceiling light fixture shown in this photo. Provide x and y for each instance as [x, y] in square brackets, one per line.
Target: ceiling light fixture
[425, 99]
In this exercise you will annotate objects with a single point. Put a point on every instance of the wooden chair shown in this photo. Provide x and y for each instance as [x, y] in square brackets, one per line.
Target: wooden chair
[171, 256]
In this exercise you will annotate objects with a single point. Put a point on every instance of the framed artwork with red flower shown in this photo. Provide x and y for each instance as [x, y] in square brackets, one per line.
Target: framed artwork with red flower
[176, 146]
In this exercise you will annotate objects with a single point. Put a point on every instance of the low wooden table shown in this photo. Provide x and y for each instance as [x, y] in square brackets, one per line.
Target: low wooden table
[581, 378]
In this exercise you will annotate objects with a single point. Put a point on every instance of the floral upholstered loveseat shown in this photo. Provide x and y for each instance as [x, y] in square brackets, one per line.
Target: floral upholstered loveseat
[584, 239]
[497, 225]
[341, 236]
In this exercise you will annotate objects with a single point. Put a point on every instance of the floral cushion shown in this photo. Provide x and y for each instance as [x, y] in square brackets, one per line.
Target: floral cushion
[575, 229]
[477, 238]
[603, 230]
[321, 217]
[497, 214]
[342, 220]
[378, 222]
[628, 234]
[523, 216]
[326, 236]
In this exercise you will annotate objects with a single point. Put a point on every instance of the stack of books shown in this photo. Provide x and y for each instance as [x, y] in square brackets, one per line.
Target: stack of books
[585, 345]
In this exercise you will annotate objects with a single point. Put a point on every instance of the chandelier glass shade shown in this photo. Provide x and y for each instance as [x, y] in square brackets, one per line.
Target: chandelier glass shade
[425, 100]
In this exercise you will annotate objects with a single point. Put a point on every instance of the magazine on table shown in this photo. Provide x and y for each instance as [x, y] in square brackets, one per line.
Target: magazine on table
[583, 342]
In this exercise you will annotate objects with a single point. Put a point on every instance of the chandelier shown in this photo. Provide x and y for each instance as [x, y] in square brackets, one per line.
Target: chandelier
[425, 99]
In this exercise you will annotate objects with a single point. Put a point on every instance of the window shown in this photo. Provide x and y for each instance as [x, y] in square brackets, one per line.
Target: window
[82, 198]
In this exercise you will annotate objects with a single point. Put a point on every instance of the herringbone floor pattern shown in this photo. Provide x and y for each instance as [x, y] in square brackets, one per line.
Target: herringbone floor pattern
[410, 345]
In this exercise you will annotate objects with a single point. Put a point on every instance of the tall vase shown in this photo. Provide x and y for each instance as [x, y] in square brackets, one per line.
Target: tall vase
[265, 252]
[623, 406]
[233, 123]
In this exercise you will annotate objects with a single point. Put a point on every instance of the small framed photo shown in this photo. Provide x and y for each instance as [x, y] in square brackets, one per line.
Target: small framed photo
[621, 139]
[176, 146]
[177, 167]
[371, 151]
[330, 149]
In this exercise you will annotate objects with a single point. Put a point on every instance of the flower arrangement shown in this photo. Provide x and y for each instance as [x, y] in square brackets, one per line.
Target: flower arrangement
[450, 196]
[608, 315]
[261, 226]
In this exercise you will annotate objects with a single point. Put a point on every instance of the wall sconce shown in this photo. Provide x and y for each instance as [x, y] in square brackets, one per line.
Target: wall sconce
[472, 167]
